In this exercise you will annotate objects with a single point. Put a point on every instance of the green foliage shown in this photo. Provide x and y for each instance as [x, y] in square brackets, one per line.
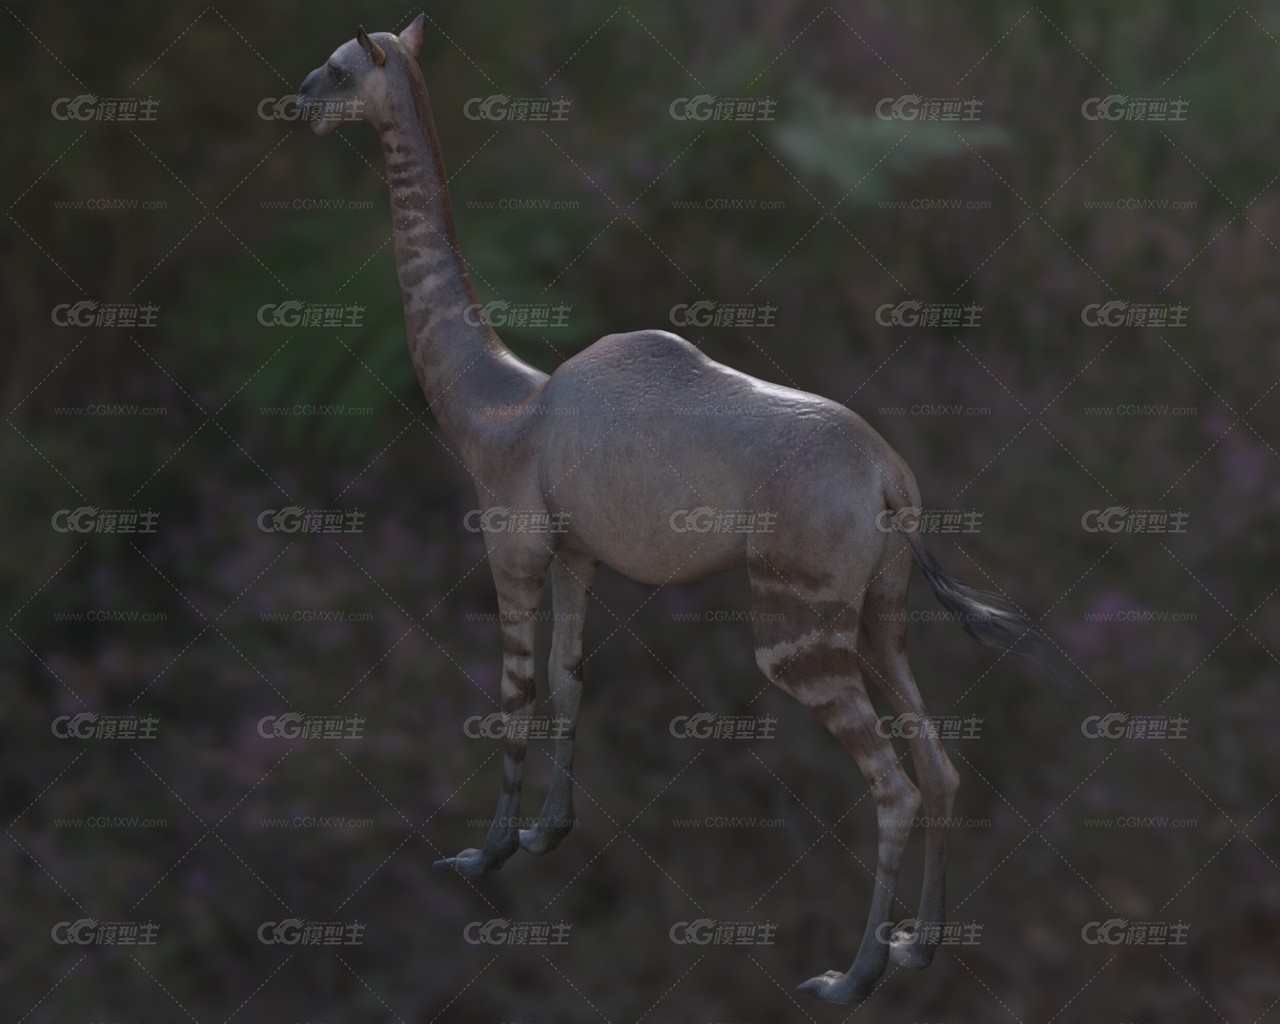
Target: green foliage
[863, 154]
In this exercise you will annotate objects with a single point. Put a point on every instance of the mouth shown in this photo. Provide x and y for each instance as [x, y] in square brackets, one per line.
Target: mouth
[308, 109]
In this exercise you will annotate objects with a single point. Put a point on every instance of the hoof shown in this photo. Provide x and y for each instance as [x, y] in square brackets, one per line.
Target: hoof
[469, 864]
[837, 987]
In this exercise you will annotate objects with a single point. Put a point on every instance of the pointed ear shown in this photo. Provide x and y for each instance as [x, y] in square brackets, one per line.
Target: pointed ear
[375, 51]
[411, 37]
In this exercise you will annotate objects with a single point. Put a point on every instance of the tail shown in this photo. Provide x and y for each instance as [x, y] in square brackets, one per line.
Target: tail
[993, 622]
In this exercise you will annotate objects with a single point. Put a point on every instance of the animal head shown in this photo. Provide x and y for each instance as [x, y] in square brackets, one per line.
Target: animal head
[362, 78]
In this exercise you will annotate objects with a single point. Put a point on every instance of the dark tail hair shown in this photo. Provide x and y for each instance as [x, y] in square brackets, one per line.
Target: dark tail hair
[993, 622]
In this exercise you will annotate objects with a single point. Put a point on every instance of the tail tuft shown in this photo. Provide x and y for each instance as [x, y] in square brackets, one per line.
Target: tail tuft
[993, 622]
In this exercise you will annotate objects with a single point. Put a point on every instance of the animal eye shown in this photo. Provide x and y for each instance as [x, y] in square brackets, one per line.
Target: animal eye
[335, 72]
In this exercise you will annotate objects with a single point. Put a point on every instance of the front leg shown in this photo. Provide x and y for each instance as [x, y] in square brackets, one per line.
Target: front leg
[518, 595]
[571, 577]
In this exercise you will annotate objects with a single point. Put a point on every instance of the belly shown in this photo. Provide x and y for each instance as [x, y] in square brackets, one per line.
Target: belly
[653, 517]
[660, 559]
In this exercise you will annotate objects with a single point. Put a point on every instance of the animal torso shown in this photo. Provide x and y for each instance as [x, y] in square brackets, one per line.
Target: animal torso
[668, 466]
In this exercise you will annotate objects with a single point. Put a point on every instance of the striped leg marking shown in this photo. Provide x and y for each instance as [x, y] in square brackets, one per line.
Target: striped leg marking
[571, 579]
[517, 605]
[817, 664]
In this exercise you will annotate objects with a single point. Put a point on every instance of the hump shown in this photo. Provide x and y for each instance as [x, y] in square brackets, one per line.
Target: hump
[642, 352]
[621, 369]
[652, 343]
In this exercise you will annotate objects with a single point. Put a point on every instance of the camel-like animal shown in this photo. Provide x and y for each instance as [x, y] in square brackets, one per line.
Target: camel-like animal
[602, 446]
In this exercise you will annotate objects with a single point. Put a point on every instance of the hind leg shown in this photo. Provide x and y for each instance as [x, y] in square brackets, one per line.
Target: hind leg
[883, 652]
[815, 661]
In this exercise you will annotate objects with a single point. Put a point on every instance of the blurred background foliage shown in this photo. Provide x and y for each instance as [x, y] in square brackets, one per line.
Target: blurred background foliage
[419, 650]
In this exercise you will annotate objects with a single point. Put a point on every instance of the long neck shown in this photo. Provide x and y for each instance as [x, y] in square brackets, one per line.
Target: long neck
[473, 382]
